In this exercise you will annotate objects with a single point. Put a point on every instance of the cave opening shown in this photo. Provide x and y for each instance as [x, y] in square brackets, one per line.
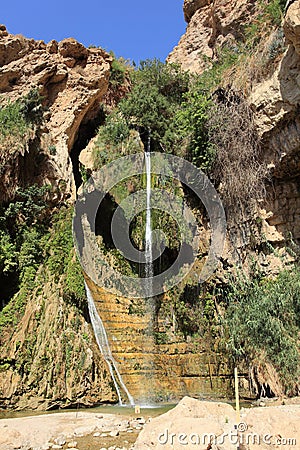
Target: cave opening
[103, 222]
[86, 131]
[10, 286]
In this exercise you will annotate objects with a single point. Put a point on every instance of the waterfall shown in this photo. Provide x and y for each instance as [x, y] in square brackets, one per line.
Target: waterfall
[148, 234]
[103, 344]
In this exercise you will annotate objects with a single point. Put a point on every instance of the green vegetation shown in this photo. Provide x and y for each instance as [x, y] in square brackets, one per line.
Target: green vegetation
[12, 312]
[157, 91]
[19, 122]
[61, 259]
[26, 243]
[119, 70]
[274, 10]
[252, 320]
[31, 107]
[241, 64]
[263, 319]
[22, 222]
[74, 290]
[165, 102]
[12, 121]
[194, 311]
[204, 119]
[160, 337]
[191, 122]
[23, 225]
[16, 118]
[175, 106]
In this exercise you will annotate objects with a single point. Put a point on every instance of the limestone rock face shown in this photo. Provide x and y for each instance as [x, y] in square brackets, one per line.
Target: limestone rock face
[275, 102]
[52, 356]
[210, 24]
[156, 369]
[72, 81]
[292, 25]
[191, 6]
[50, 359]
[70, 48]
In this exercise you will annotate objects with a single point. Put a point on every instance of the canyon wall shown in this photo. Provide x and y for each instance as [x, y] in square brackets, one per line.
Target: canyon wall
[72, 82]
[50, 359]
[210, 25]
[159, 365]
[274, 99]
[49, 356]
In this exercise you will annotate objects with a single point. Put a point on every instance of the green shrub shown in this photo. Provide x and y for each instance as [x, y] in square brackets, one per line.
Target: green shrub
[17, 117]
[8, 253]
[60, 258]
[161, 104]
[12, 121]
[119, 69]
[192, 127]
[160, 337]
[23, 225]
[74, 290]
[11, 313]
[31, 107]
[274, 10]
[116, 129]
[262, 318]
[27, 208]
[156, 92]
[212, 77]
[59, 243]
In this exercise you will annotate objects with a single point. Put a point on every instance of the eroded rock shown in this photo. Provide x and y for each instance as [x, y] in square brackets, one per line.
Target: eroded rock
[292, 25]
[211, 24]
[72, 81]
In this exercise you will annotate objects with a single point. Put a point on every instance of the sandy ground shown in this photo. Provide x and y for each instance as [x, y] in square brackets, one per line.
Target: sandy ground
[203, 425]
[61, 429]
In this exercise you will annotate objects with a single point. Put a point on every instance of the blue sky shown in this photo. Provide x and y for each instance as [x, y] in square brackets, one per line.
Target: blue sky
[134, 29]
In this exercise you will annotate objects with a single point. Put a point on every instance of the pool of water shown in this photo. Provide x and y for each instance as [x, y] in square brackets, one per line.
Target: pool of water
[150, 411]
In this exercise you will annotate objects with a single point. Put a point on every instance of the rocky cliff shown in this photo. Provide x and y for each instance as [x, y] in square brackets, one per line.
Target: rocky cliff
[210, 25]
[49, 356]
[50, 360]
[159, 366]
[217, 26]
[72, 82]
[259, 61]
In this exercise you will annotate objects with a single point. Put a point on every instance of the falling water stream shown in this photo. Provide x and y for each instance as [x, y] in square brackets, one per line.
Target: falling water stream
[148, 234]
[98, 327]
[103, 344]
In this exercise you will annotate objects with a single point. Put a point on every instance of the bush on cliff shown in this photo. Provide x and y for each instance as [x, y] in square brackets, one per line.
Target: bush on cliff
[17, 117]
[165, 102]
[262, 321]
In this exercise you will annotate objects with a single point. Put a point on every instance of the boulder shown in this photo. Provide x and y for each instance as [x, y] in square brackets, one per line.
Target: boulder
[210, 425]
